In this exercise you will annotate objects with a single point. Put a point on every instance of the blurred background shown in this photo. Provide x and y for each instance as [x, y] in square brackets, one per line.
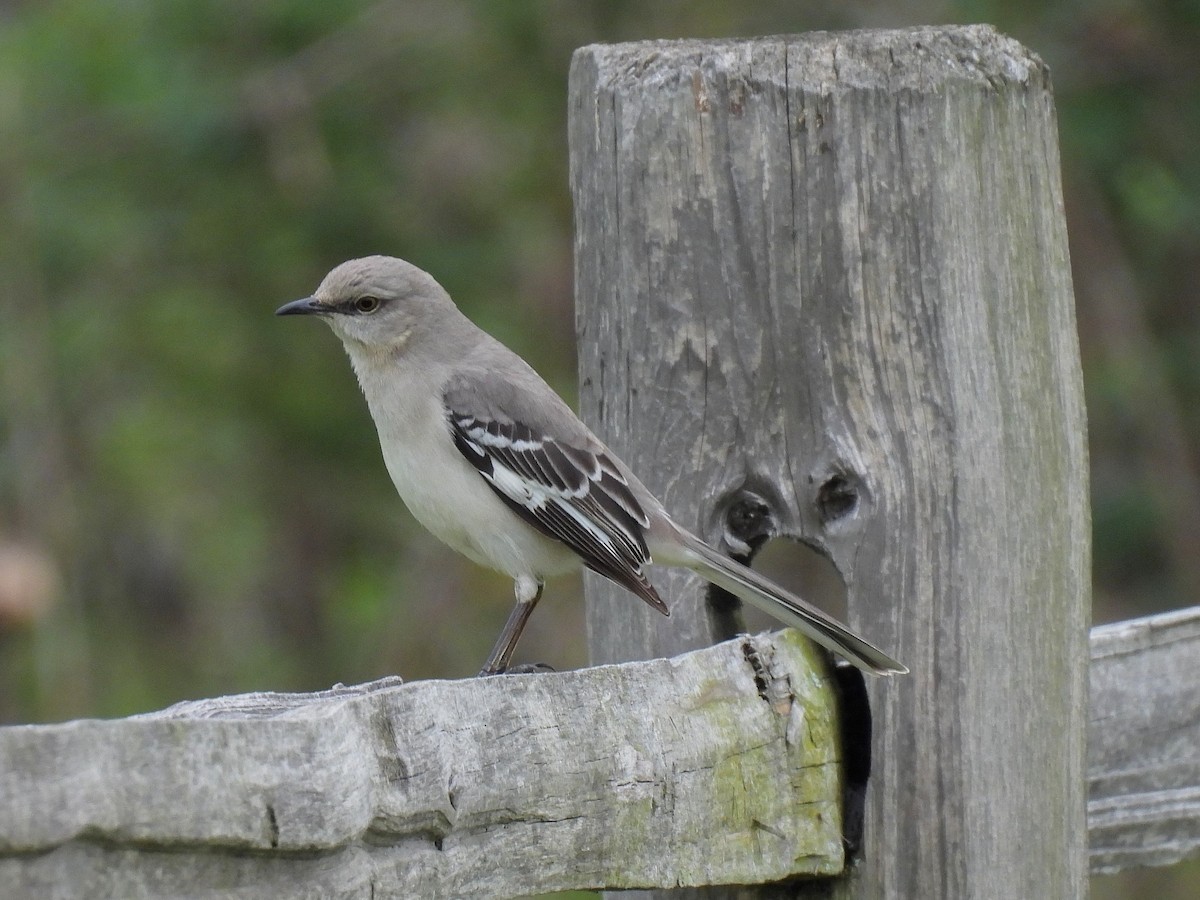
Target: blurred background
[192, 501]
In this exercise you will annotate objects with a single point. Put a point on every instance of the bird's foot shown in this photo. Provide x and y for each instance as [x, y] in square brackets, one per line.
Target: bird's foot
[520, 669]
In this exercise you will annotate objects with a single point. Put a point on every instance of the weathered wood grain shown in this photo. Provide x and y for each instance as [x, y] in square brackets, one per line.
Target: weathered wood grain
[823, 293]
[718, 766]
[1144, 742]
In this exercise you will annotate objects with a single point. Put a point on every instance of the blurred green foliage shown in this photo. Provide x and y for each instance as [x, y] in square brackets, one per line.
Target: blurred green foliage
[191, 499]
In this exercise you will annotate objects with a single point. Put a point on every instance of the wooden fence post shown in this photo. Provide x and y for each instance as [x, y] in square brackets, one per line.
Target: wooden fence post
[823, 292]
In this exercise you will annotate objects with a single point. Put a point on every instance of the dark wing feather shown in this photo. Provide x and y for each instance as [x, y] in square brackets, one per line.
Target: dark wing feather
[575, 496]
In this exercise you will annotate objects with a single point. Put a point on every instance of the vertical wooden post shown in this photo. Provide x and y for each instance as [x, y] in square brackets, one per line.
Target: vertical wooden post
[823, 281]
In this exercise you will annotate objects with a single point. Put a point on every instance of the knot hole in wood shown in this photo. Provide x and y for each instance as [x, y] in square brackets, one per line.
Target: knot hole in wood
[749, 521]
[839, 496]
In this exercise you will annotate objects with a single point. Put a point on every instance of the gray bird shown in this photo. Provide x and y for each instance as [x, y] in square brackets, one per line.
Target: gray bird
[495, 464]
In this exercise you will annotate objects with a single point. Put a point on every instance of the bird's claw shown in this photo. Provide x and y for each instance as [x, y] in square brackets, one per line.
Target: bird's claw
[520, 669]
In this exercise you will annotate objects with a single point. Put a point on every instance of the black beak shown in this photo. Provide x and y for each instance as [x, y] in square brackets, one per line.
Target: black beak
[305, 307]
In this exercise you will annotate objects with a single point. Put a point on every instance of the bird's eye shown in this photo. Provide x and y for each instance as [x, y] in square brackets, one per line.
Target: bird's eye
[366, 304]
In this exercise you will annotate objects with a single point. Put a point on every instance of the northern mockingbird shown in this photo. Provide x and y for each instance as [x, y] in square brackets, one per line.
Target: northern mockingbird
[493, 462]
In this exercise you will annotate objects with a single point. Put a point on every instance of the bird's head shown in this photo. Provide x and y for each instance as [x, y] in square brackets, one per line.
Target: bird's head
[376, 303]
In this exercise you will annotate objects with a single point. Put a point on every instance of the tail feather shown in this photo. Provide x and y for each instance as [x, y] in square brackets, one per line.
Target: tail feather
[753, 588]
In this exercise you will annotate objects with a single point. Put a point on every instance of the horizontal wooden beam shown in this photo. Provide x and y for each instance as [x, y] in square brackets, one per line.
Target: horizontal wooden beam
[718, 766]
[1144, 742]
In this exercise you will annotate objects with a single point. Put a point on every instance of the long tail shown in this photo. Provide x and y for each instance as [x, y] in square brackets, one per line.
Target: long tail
[787, 607]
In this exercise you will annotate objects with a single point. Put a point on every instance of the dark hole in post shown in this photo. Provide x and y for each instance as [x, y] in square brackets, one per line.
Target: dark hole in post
[749, 521]
[838, 497]
[854, 717]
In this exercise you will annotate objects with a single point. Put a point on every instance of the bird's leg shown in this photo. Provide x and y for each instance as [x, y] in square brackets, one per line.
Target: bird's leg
[528, 593]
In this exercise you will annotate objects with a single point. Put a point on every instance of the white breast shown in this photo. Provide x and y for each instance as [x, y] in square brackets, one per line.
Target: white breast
[447, 494]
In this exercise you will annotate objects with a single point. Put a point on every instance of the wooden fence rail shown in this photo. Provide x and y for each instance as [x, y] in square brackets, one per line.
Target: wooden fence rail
[717, 767]
[1144, 742]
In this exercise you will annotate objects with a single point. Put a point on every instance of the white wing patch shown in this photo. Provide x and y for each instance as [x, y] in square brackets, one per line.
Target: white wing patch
[536, 496]
[573, 495]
